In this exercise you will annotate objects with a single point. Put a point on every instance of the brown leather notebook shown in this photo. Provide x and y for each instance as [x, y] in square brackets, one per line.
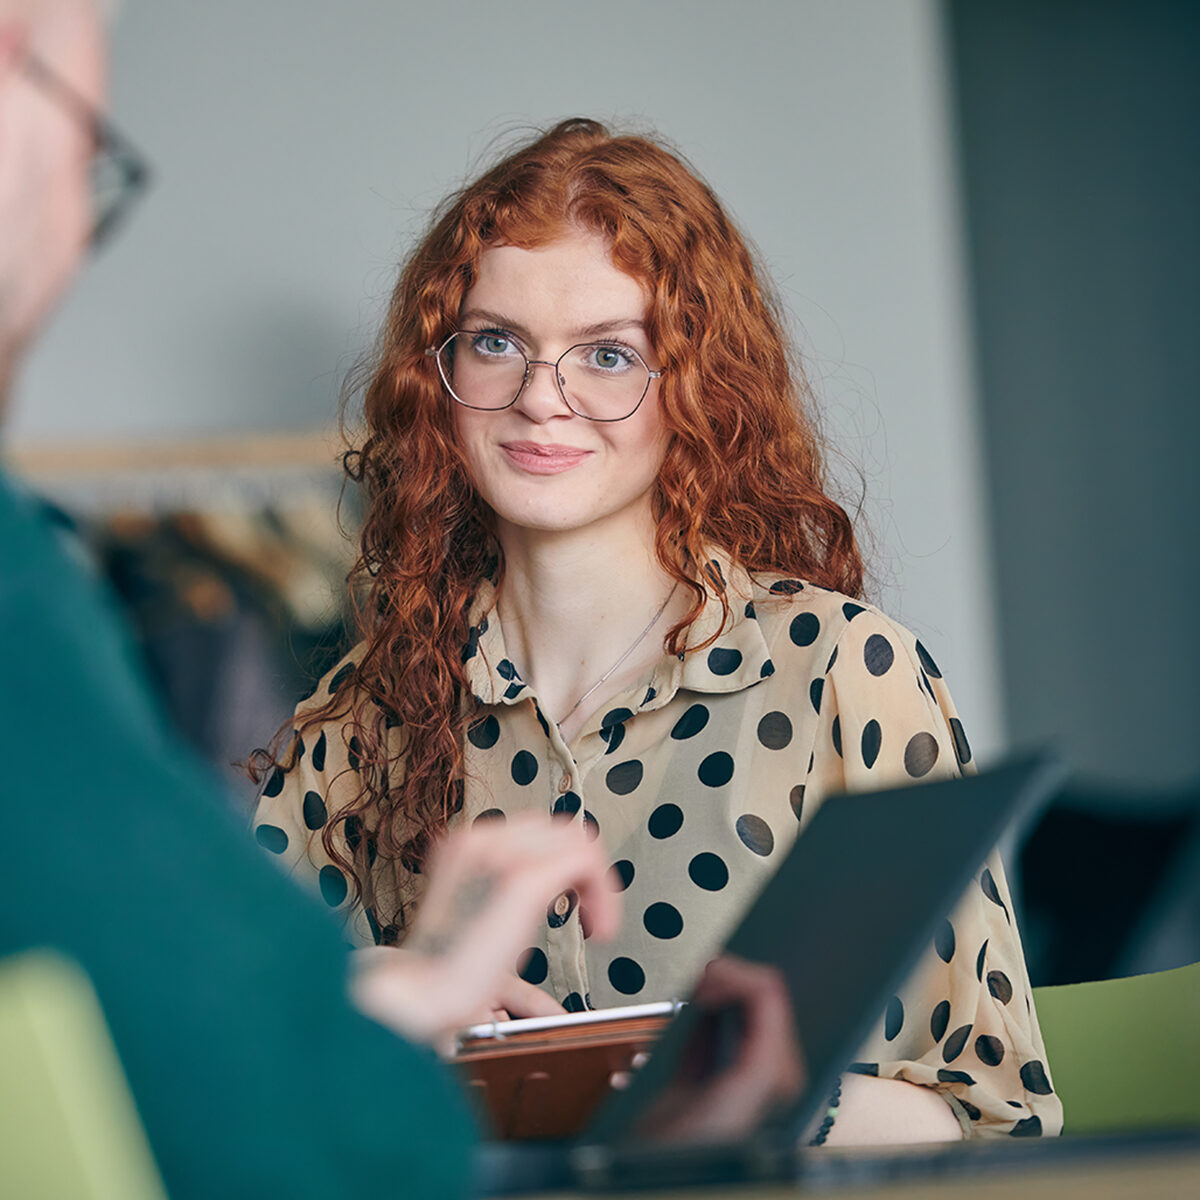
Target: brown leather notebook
[545, 1077]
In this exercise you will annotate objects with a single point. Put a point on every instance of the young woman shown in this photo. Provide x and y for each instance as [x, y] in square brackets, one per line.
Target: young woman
[604, 581]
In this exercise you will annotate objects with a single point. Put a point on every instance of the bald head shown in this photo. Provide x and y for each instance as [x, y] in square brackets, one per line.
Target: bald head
[45, 156]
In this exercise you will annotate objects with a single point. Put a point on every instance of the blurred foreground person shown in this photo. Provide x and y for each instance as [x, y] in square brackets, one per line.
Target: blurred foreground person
[225, 988]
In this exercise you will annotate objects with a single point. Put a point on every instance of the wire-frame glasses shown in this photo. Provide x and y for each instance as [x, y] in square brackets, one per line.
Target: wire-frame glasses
[488, 370]
[119, 172]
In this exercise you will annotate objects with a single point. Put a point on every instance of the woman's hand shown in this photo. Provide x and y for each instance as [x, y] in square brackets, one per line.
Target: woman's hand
[488, 887]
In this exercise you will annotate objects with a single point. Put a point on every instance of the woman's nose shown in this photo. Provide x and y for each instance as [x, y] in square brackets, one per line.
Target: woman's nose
[540, 398]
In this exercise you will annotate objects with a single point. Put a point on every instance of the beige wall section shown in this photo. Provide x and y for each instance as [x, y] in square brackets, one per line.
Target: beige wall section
[298, 144]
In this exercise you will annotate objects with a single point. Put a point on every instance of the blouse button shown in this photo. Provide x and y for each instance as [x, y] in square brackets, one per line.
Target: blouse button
[562, 905]
[564, 784]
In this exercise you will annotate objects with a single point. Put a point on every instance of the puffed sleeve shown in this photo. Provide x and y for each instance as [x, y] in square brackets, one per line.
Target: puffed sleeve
[964, 1023]
[317, 778]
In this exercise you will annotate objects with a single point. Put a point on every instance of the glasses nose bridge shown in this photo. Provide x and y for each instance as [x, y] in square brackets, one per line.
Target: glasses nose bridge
[530, 363]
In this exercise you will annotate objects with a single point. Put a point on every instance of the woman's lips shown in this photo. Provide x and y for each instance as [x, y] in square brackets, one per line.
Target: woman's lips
[543, 459]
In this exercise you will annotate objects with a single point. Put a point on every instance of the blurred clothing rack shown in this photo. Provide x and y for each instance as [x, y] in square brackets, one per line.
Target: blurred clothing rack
[229, 556]
[159, 475]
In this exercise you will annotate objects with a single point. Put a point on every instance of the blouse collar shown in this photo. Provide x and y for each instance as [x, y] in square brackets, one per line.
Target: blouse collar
[735, 659]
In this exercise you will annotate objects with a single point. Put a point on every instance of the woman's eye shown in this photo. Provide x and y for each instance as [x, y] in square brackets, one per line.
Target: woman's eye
[611, 358]
[493, 343]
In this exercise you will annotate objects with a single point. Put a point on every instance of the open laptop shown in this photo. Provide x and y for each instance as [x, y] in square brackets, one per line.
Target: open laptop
[879, 870]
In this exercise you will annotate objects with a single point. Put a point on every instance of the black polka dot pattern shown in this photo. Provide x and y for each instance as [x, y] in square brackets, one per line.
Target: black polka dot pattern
[805, 628]
[615, 716]
[691, 723]
[340, 677]
[786, 587]
[663, 921]
[755, 834]
[716, 770]
[334, 887]
[872, 741]
[271, 837]
[490, 814]
[613, 736]
[1028, 1127]
[573, 1003]
[567, 805]
[315, 814]
[665, 821]
[962, 748]
[893, 1020]
[523, 768]
[988, 884]
[927, 663]
[533, 967]
[920, 754]
[944, 941]
[274, 784]
[708, 871]
[989, 1049]
[851, 610]
[878, 655]
[796, 800]
[317, 758]
[863, 1068]
[945, 1075]
[724, 662]
[623, 873]
[624, 777]
[484, 733]
[775, 730]
[939, 1020]
[626, 976]
[956, 1043]
[815, 690]
[1033, 1076]
[1000, 986]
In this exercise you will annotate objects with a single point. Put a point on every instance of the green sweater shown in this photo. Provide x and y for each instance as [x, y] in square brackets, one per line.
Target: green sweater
[224, 985]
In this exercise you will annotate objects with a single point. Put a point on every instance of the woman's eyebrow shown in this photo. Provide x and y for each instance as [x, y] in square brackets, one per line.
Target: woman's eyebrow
[497, 319]
[603, 327]
[596, 329]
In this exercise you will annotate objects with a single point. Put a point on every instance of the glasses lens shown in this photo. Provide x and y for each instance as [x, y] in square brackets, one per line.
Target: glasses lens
[482, 370]
[603, 380]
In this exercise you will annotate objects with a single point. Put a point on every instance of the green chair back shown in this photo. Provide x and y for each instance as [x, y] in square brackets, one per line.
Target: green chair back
[69, 1129]
[1125, 1053]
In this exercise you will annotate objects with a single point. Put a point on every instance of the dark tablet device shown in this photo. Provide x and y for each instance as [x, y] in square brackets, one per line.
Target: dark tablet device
[872, 869]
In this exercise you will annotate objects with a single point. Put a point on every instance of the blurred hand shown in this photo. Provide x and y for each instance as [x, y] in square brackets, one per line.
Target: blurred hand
[487, 891]
[724, 1103]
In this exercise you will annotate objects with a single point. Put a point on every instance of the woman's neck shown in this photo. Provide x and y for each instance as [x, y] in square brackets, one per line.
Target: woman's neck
[572, 604]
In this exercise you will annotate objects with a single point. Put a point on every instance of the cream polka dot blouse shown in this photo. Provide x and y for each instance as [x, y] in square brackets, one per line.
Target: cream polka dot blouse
[697, 781]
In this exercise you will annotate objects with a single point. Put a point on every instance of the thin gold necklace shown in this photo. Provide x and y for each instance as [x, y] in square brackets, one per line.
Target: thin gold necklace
[637, 641]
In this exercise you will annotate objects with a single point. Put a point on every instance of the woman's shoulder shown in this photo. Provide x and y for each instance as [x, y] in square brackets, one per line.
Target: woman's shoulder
[813, 631]
[796, 612]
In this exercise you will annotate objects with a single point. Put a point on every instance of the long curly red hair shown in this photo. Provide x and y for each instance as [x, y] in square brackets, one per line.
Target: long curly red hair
[743, 469]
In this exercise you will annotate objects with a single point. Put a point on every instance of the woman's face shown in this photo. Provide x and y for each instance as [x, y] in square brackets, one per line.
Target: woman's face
[537, 464]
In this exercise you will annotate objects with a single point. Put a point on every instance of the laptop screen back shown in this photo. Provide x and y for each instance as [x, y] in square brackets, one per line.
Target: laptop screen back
[847, 916]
